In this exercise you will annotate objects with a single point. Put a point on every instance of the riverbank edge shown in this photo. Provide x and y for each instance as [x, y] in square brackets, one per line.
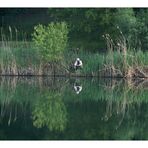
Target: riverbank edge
[72, 75]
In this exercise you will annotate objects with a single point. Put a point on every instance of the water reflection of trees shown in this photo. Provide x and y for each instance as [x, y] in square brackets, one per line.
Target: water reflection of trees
[7, 90]
[124, 96]
[105, 109]
[19, 94]
[50, 111]
[119, 105]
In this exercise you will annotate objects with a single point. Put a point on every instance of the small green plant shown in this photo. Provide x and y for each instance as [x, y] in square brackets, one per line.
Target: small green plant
[51, 40]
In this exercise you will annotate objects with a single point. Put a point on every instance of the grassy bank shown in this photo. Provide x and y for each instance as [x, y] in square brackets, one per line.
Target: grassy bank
[113, 64]
[21, 58]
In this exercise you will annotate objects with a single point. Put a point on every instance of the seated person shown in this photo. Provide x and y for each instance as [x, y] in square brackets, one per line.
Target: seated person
[78, 64]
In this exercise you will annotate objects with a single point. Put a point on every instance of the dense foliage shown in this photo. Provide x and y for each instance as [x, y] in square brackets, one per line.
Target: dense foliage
[86, 26]
[51, 40]
[91, 24]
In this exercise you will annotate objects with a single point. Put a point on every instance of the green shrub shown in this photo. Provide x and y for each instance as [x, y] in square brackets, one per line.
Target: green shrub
[51, 40]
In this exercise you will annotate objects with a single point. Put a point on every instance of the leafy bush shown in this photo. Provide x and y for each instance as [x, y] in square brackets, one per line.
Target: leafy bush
[51, 40]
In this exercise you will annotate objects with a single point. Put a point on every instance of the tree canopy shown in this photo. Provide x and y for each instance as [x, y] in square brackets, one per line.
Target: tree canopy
[85, 24]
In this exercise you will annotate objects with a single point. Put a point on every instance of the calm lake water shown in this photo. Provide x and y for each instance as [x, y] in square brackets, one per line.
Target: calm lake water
[35, 108]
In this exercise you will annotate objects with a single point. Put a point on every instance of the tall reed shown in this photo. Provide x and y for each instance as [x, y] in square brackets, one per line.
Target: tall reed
[123, 61]
[17, 57]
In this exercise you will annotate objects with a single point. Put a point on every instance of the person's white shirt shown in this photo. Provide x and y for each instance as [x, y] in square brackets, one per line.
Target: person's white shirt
[78, 62]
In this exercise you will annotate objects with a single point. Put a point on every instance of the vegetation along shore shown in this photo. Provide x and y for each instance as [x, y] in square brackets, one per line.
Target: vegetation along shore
[109, 42]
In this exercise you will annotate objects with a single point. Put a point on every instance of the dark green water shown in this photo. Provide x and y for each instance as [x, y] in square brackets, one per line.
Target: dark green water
[52, 109]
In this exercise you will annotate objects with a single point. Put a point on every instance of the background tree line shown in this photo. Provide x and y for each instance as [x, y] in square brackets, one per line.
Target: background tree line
[85, 25]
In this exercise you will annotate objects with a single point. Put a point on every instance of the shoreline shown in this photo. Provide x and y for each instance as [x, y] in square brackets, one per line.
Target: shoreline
[74, 75]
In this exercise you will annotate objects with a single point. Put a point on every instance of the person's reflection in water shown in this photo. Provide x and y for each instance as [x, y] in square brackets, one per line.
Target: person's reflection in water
[77, 88]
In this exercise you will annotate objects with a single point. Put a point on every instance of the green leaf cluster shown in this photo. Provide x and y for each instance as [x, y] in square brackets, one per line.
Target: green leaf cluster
[51, 40]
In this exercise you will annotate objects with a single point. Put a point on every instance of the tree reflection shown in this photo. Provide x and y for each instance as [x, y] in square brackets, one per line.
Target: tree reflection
[50, 111]
[105, 109]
